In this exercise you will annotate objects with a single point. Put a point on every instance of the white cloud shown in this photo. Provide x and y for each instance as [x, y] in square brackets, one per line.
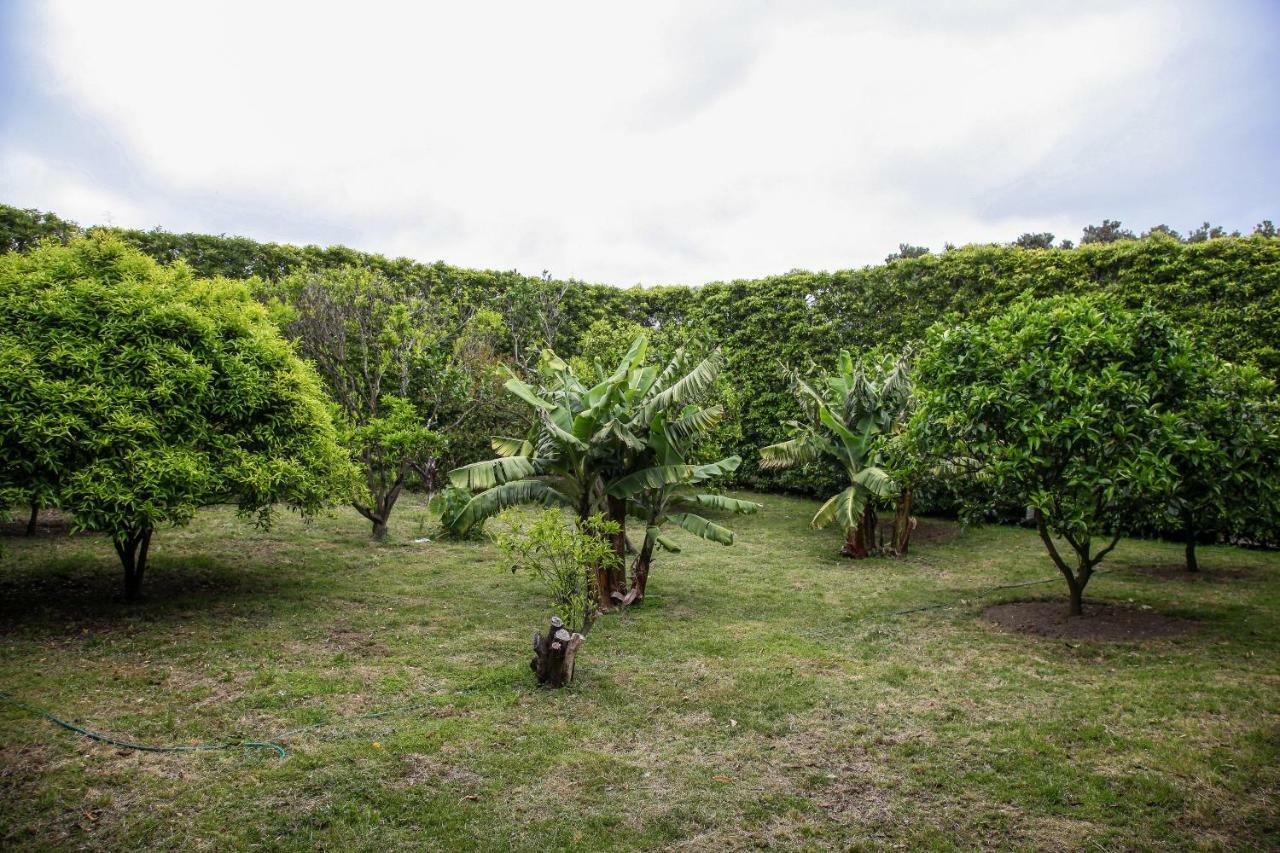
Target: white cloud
[27, 174]
[665, 142]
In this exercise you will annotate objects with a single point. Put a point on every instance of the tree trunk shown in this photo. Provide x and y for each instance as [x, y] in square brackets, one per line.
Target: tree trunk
[639, 575]
[1191, 534]
[903, 524]
[555, 654]
[380, 513]
[613, 578]
[132, 550]
[31, 522]
[1076, 581]
[854, 546]
[860, 539]
[640, 571]
[1077, 597]
[427, 473]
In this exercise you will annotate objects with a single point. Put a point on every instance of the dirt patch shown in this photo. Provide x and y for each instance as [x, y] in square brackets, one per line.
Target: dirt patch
[1101, 622]
[1178, 572]
[928, 531]
[431, 771]
[356, 642]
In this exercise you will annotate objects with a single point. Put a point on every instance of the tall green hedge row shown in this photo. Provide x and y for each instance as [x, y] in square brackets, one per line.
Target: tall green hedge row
[1225, 291]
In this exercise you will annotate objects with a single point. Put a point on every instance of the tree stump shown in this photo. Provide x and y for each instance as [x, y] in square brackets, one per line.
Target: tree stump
[554, 654]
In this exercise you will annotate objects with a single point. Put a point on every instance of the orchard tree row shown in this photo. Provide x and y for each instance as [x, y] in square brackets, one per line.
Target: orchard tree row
[1099, 420]
[1222, 290]
[136, 392]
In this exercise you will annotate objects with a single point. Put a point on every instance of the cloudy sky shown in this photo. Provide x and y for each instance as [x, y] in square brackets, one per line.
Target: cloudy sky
[644, 142]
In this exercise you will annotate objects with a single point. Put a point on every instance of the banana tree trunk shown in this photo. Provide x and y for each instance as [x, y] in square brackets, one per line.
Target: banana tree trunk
[860, 539]
[903, 524]
[613, 578]
[639, 575]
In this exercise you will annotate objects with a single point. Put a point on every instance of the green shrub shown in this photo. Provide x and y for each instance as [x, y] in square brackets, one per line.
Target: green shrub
[564, 556]
[132, 394]
[1225, 292]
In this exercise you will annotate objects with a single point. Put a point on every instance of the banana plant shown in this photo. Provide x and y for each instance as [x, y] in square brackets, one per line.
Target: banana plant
[583, 438]
[849, 415]
[668, 490]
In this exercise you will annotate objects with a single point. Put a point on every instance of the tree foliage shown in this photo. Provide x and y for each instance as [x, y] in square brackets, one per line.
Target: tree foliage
[1108, 232]
[1228, 460]
[132, 394]
[1224, 292]
[849, 415]
[1070, 406]
[565, 557]
[405, 371]
[1040, 240]
[595, 445]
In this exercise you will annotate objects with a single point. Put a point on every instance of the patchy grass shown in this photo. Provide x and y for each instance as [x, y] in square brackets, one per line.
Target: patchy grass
[760, 697]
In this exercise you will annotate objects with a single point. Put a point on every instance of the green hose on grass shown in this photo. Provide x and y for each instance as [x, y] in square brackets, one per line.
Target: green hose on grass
[272, 744]
[139, 747]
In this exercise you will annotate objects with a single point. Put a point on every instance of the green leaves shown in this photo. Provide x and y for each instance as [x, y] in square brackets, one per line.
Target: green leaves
[701, 527]
[695, 421]
[511, 446]
[564, 558]
[726, 504]
[1070, 405]
[132, 394]
[852, 415]
[493, 472]
[796, 451]
[525, 393]
[711, 470]
[651, 478]
[689, 388]
[492, 501]
[874, 481]
[623, 435]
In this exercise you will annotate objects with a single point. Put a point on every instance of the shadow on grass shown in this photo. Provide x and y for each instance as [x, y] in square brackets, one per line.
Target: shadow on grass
[46, 596]
[1178, 572]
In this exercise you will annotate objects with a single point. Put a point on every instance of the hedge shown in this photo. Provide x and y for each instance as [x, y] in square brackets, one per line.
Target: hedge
[1224, 291]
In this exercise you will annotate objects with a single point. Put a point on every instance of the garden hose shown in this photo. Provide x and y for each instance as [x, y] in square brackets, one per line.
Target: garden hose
[271, 744]
[139, 747]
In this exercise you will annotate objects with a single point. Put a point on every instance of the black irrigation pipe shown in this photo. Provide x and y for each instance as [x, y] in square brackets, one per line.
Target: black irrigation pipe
[282, 752]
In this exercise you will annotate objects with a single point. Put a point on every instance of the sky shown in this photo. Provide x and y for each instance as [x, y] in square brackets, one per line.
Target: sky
[653, 143]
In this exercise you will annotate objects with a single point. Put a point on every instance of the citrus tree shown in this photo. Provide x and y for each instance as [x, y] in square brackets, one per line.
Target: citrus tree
[132, 394]
[1069, 406]
[1228, 461]
[849, 416]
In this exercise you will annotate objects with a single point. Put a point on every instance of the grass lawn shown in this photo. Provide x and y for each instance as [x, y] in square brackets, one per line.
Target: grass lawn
[759, 697]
